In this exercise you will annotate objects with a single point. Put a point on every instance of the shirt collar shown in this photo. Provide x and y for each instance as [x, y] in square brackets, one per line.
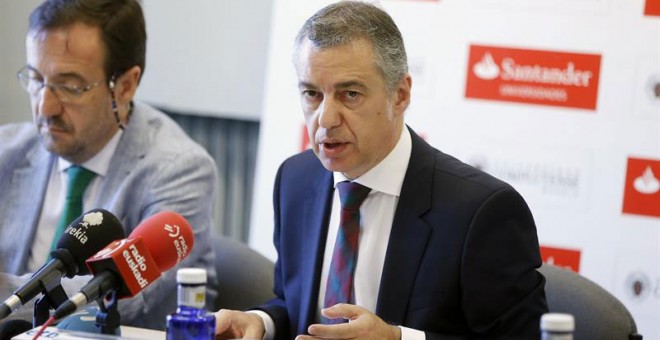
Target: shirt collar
[387, 176]
[100, 163]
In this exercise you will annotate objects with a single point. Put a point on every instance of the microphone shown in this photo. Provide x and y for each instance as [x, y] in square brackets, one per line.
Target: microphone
[128, 266]
[81, 239]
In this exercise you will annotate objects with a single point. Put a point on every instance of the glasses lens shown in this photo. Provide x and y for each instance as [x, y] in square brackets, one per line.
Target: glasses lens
[66, 93]
[29, 81]
[69, 91]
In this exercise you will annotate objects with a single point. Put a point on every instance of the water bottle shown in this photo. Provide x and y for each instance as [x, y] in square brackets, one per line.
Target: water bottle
[191, 320]
[557, 326]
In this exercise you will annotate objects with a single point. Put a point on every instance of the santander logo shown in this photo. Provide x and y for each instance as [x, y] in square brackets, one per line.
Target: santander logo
[531, 76]
[642, 191]
[652, 7]
[561, 257]
[647, 183]
[486, 69]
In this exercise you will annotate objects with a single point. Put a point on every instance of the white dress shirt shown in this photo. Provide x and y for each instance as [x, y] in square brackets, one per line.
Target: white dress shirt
[55, 197]
[376, 217]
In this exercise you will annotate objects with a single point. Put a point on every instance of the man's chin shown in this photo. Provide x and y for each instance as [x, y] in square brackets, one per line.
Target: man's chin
[48, 142]
[56, 147]
[333, 164]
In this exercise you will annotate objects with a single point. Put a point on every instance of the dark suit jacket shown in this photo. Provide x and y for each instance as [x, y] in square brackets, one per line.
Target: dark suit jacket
[461, 257]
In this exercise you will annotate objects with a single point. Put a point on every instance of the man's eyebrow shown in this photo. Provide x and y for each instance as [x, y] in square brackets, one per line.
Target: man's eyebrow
[342, 85]
[350, 83]
[63, 75]
[305, 85]
[70, 75]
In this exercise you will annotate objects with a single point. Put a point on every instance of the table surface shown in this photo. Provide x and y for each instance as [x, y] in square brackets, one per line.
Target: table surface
[126, 333]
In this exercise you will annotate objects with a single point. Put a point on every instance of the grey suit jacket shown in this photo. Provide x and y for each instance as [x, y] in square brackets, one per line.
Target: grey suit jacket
[156, 167]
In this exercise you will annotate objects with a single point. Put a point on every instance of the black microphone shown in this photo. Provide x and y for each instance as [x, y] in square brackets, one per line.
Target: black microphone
[84, 237]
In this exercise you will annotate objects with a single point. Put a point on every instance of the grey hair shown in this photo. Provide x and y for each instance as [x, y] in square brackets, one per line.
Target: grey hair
[344, 22]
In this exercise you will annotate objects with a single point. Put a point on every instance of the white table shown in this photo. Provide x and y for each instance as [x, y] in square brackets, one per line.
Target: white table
[126, 333]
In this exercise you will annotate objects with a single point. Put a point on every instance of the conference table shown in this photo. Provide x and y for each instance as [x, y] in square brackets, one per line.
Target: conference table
[126, 333]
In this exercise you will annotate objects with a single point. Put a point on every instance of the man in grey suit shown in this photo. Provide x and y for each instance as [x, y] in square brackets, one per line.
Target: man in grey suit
[85, 59]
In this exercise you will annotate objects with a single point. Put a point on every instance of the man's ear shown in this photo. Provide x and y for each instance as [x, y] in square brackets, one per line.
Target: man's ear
[126, 85]
[402, 95]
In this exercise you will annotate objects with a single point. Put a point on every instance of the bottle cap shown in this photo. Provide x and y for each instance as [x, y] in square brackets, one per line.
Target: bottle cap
[557, 322]
[191, 276]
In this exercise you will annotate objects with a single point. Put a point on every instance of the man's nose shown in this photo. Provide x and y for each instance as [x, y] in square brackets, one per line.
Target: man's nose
[49, 103]
[329, 114]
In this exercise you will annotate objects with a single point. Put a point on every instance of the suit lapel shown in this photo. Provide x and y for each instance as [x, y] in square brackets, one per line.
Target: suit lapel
[24, 210]
[409, 235]
[131, 148]
[315, 230]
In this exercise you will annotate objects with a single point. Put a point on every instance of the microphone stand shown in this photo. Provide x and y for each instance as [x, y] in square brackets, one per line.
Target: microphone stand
[50, 280]
[108, 317]
[53, 296]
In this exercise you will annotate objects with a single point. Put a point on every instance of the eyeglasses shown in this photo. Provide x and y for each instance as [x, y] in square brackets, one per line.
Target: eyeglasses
[70, 91]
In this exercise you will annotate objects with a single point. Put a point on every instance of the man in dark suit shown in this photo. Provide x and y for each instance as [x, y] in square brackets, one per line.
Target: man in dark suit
[442, 250]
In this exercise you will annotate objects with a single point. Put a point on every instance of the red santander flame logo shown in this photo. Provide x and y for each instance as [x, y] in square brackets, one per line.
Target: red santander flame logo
[561, 257]
[642, 192]
[652, 7]
[533, 76]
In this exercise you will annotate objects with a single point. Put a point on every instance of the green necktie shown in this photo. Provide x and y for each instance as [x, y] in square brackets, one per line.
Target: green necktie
[79, 179]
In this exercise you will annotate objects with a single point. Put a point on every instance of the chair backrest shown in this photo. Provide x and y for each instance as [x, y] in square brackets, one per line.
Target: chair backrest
[245, 277]
[598, 314]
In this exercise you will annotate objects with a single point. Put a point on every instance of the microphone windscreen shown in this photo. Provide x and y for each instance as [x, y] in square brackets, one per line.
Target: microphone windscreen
[88, 234]
[167, 236]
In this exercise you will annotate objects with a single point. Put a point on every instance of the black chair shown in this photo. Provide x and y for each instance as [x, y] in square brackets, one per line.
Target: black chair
[245, 277]
[598, 314]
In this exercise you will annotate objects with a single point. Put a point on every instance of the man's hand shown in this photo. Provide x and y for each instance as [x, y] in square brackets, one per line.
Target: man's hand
[362, 324]
[231, 324]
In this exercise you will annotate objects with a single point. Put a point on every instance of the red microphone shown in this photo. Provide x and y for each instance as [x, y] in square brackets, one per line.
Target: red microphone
[129, 265]
[168, 237]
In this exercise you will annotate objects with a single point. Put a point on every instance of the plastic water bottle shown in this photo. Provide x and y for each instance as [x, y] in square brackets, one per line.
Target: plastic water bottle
[191, 320]
[557, 326]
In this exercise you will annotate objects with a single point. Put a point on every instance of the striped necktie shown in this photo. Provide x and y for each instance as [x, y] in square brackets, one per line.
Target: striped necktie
[339, 287]
[78, 180]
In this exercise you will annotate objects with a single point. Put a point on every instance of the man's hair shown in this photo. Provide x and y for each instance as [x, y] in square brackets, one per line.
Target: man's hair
[121, 23]
[348, 21]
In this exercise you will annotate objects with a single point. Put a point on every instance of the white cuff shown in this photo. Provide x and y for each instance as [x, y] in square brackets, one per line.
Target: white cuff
[411, 334]
[269, 324]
